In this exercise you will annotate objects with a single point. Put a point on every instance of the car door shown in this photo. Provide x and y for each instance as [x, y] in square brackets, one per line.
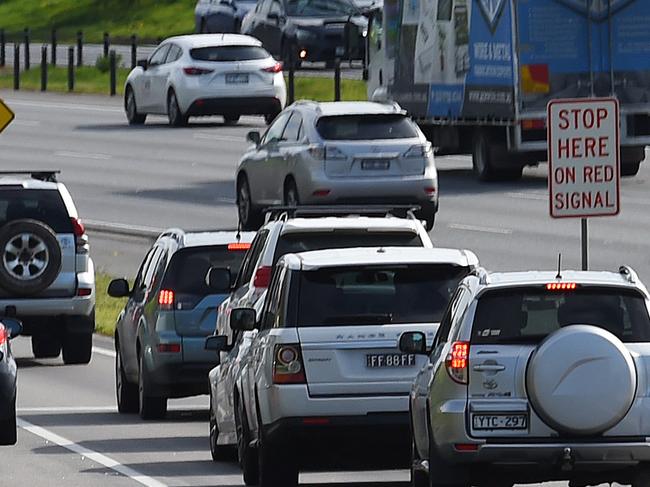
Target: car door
[257, 27]
[160, 81]
[290, 146]
[273, 27]
[157, 59]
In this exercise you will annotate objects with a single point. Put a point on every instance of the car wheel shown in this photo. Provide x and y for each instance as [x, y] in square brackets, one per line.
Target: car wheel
[428, 215]
[246, 454]
[631, 169]
[231, 119]
[77, 348]
[219, 452]
[131, 108]
[46, 346]
[31, 257]
[291, 197]
[8, 431]
[151, 407]
[277, 468]
[126, 392]
[483, 164]
[176, 117]
[249, 216]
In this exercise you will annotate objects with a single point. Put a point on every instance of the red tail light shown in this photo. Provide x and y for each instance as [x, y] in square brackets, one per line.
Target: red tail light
[166, 299]
[276, 68]
[458, 362]
[191, 71]
[287, 365]
[321, 192]
[561, 286]
[4, 335]
[84, 291]
[533, 124]
[81, 240]
[466, 447]
[239, 246]
[169, 347]
[262, 277]
[77, 227]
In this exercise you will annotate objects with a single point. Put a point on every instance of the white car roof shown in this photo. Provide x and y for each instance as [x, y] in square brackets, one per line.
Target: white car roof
[27, 182]
[535, 278]
[194, 41]
[198, 239]
[358, 108]
[379, 256]
[372, 224]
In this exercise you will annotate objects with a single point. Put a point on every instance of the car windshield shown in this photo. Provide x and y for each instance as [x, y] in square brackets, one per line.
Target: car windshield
[35, 204]
[229, 53]
[528, 315]
[320, 8]
[292, 243]
[366, 127]
[368, 295]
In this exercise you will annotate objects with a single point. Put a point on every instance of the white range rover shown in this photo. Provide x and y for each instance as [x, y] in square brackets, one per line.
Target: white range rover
[324, 373]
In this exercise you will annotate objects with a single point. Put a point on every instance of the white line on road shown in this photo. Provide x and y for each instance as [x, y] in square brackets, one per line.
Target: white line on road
[71, 106]
[26, 123]
[104, 351]
[476, 228]
[224, 138]
[83, 155]
[528, 196]
[68, 409]
[90, 454]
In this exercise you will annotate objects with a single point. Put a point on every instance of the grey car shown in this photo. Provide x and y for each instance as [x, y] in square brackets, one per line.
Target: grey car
[338, 153]
[221, 16]
[535, 377]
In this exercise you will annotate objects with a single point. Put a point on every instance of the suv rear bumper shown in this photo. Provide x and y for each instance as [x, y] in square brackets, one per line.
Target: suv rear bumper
[51, 307]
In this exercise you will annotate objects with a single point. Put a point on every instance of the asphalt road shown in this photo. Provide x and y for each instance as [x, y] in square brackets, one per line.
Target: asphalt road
[157, 177]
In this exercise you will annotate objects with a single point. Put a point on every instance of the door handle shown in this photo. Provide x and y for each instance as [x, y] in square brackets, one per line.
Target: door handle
[489, 368]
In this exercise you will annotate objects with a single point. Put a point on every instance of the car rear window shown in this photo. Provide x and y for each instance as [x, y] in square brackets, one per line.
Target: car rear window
[229, 53]
[357, 296]
[528, 315]
[292, 243]
[366, 127]
[35, 204]
[189, 267]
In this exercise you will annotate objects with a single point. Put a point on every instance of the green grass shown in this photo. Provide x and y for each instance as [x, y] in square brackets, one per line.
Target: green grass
[91, 80]
[106, 309]
[148, 19]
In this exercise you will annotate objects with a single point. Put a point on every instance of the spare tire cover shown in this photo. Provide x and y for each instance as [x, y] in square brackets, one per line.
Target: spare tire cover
[581, 380]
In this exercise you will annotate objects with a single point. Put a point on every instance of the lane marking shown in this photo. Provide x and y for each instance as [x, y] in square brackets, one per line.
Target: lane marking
[528, 196]
[224, 138]
[105, 351]
[68, 409]
[90, 454]
[477, 228]
[71, 106]
[83, 155]
[26, 123]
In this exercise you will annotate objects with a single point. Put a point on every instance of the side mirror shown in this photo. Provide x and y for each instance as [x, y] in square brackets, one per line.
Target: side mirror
[119, 288]
[254, 137]
[219, 279]
[243, 319]
[216, 343]
[413, 342]
[13, 326]
[143, 63]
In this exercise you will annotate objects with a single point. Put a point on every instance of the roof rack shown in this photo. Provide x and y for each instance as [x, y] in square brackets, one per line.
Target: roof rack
[47, 176]
[316, 211]
[629, 274]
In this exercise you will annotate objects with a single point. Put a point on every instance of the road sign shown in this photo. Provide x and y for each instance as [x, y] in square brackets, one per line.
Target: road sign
[584, 157]
[6, 116]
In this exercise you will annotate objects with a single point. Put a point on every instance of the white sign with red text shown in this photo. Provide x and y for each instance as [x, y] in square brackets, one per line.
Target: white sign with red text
[584, 157]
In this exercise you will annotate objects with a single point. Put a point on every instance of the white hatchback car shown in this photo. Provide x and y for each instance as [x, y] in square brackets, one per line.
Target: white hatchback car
[203, 75]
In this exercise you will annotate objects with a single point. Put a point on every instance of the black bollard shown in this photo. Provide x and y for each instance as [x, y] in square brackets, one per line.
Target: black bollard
[54, 43]
[107, 43]
[70, 68]
[291, 95]
[26, 39]
[337, 79]
[3, 48]
[16, 66]
[44, 68]
[80, 48]
[134, 51]
[113, 72]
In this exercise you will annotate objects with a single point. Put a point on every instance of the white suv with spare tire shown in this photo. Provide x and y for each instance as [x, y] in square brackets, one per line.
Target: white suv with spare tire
[534, 377]
[47, 278]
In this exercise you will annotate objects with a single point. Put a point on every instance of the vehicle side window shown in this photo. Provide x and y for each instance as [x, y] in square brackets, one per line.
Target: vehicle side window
[138, 284]
[148, 277]
[274, 133]
[272, 302]
[158, 272]
[174, 54]
[159, 56]
[276, 8]
[292, 130]
[250, 261]
[449, 318]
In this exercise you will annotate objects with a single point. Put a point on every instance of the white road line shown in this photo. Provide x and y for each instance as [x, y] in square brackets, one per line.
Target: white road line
[26, 123]
[83, 155]
[69, 409]
[104, 351]
[71, 106]
[476, 228]
[224, 138]
[90, 454]
[528, 196]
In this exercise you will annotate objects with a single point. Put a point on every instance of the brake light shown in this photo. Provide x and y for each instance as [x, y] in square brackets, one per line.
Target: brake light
[302, 54]
[276, 68]
[330, 153]
[166, 299]
[239, 246]
[84, 291]
[458, 362]
[192, 71]
[77, 227]
[287, 365]
[4, 335]
[535, 124]
[169, 347]
[80, 238]
[262, 277]
[561, 286]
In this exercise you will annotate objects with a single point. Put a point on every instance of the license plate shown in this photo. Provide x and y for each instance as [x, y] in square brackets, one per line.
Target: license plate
[375, 165]
[237, 78]
[500, 421]
[389, 360]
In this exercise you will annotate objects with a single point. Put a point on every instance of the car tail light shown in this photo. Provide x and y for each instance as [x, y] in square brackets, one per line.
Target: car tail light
[430, 190]
[458, 362]
[330, 153]
[239, 246]
[166, 299]
[262, 277]
[192, 71]
[561, 286]
[80, 237]
[422, 150]
[4, 335]
[321, 192]
[302, 54]
[84, 291]
[276, 68]
[287, 365]
[466, 447]
[169, 347]
[535, 124]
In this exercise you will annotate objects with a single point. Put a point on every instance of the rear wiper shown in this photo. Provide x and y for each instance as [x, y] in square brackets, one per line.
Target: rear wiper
[360, 319]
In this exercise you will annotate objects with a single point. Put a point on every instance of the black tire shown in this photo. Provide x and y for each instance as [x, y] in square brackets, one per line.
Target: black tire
[219, 452]
[126, 393]
[445, 475]
[277, 466]
[483, 163]
[176, 117]
[150, 406]
[29, 265]
[46, 346]
[77, 348]
[291, 195]
[8, 430]
[630, 169]
[231, 119]
[428, 215]
[247, 455]
[131, 108]
[250, 217]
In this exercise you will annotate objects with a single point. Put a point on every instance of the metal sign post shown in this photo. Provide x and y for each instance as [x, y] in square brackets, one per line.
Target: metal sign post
[584, 161]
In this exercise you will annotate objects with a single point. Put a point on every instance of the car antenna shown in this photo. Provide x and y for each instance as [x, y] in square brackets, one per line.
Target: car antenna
[559, 266]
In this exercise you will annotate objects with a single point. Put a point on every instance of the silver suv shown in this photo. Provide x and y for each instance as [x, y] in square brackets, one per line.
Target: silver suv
[46, 273]
[535, 377]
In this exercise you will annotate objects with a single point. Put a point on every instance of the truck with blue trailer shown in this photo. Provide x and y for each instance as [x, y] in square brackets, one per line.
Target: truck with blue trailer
[477, 75]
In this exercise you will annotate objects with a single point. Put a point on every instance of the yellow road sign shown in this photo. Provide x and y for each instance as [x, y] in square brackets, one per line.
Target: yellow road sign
[6, 116]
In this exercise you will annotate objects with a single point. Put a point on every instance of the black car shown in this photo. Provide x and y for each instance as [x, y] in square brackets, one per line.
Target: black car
[9, 328]
[221, 16]
[317, 30]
